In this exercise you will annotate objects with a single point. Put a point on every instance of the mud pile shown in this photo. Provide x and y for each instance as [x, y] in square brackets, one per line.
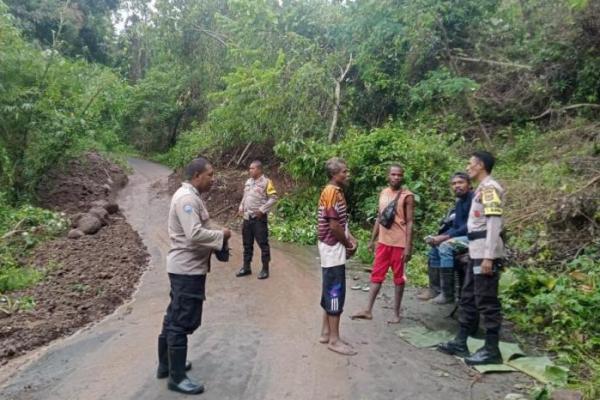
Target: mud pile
[85, 278]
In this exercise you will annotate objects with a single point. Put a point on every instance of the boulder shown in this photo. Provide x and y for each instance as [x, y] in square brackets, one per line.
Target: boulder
[75, 234]
[100, 213]
[75, 219]
[89, 224]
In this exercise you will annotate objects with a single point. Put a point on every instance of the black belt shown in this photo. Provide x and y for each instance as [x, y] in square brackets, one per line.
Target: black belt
[476, 235]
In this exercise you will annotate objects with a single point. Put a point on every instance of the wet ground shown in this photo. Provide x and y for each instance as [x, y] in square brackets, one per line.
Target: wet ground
[258, 339]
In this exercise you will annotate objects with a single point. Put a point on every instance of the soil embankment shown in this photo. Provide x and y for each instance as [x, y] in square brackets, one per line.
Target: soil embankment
[85, 278]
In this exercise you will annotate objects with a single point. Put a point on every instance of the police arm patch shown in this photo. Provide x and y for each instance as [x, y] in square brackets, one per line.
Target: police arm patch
[188, 209]
[492, 205]
[271, 189]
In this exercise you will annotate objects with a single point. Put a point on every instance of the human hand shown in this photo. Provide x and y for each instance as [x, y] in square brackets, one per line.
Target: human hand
[487, 267]
[240, 213]
[407, 255]
[351, 250]
[371, 246]
[437, 240]
[226, 233]
[259, 214]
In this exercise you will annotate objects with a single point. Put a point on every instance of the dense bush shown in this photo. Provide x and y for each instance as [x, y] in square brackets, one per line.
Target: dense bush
[50, 107]
[20, 230]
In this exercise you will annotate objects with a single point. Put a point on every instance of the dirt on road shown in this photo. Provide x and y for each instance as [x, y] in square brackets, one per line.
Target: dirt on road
[258, 339]
[84, 279]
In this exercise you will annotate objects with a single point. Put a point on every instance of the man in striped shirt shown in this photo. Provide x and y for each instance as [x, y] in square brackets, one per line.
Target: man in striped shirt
[335, 245]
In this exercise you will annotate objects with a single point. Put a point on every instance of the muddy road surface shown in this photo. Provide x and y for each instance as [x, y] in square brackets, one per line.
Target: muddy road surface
[258, 339]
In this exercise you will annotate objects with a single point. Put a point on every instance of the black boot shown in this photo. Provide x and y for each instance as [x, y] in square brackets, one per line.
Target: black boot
[488, 354]
[458, 345]
[178, 380]
[434, 284]
[446, 295]
[163, 359]
[264, 272]
[245, 270]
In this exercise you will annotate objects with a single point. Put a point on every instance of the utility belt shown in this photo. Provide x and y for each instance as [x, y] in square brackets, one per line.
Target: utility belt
[476, 235]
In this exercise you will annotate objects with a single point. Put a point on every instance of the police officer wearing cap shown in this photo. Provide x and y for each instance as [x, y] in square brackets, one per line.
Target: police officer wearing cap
[193, 240]
[486, 250]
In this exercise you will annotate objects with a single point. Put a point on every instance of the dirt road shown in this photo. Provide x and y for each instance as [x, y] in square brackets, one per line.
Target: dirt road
[257, 341]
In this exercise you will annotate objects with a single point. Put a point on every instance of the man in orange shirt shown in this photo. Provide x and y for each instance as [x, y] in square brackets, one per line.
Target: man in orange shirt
[394, 244]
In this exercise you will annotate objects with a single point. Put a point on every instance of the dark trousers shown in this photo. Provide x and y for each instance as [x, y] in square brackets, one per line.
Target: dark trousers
[256, 229]
[184, 313]
[479, 297]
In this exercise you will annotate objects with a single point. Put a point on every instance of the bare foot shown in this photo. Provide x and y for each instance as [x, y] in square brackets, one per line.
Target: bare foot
[324, 339]
[362, 315]
[341, 348]
[395, 320]
[347, 343]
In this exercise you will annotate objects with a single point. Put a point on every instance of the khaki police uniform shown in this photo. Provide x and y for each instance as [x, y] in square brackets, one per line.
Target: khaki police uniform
[259, 195]
[192, 241]
[480, 292]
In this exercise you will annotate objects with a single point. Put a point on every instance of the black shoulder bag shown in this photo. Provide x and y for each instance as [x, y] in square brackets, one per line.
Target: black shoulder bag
[387, 216]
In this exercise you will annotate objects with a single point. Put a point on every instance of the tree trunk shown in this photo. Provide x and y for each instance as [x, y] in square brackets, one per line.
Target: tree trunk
[337, 98]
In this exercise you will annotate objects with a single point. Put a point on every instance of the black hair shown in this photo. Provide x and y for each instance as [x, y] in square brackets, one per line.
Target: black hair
[196, 166]
[486, 158]
[258, 163]
[395, 165]
[462, 175]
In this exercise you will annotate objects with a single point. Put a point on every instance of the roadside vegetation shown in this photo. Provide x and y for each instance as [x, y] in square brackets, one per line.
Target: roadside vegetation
[420, 82]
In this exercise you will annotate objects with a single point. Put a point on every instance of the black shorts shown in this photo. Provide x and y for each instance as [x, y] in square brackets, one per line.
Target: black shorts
[334, 289]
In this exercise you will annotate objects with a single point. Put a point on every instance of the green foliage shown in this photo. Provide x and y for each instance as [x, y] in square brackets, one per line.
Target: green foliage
[296, 216]
[563, 308]
[21, 229]
[86, 29]
[49, 107]
[424, 156]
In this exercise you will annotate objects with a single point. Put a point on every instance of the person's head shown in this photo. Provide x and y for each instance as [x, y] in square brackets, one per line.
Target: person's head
[460, 183]
[255, 170]
[200, 174]
[480, 165]
[395, 176]
[337, 171]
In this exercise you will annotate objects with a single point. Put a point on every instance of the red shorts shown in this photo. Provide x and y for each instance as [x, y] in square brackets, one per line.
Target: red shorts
[386, 257]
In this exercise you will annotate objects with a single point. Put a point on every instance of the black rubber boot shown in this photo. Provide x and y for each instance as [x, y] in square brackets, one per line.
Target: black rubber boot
[178, 380]
[434, 284]
[457, 346]
[488, 354]
[446, 295]
[163, 359]
[264, 272]
[245, 270]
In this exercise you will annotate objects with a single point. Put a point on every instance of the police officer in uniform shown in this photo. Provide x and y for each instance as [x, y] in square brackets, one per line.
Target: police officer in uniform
[192, 242]
[486, 250]
[259, 198]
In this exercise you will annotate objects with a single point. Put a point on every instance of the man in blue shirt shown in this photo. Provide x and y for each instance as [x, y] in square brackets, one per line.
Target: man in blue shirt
[451, 238]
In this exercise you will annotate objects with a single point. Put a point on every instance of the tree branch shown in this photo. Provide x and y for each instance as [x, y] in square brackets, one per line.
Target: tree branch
[566, 108]
[493, 62]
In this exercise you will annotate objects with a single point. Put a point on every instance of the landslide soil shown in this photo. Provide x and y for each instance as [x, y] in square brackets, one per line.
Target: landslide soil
[85, 279]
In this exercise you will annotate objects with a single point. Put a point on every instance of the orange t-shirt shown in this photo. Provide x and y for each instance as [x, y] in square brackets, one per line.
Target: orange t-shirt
[396, 235]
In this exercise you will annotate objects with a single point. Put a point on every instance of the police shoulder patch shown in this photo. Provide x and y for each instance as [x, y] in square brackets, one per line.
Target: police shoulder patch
[492, 205]
[188, 209]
